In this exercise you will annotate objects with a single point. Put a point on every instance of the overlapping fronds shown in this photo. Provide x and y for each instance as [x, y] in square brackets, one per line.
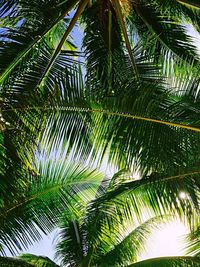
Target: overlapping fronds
[22, 38]
[127, 110]
[193, 238]
[55, 185]
[147, 111]
[109, 235]
[128, 247]
[48, 65]
[169, 261]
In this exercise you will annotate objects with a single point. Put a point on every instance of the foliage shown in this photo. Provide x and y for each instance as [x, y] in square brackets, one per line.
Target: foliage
[129, 98]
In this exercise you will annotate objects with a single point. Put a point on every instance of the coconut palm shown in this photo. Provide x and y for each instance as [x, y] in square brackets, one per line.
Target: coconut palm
[57, 184]
[104, 18]
[40, 261]
[105, 233]
[125, 107]
[39, 62]
[159, 190]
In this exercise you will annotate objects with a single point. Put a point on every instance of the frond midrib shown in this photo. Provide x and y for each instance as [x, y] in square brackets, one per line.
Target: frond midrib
[108, 112]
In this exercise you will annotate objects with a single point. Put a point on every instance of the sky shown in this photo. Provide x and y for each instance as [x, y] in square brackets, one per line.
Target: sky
[168, 241]
[195, 35]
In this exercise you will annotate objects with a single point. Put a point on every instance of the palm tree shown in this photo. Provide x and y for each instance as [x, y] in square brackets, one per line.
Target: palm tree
[29, 260]
[105, 234]
[126, 107]
[45, 180]
[124, 86]
[107, 19]
[57, 185]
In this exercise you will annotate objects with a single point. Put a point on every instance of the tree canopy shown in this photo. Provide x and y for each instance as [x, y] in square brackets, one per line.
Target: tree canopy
[128, 97]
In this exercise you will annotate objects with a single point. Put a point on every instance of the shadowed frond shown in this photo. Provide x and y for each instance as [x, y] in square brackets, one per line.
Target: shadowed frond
[22, 39]
[12, 262]
[37, 261]
[27, 260]
[72, 242]
[169, 262]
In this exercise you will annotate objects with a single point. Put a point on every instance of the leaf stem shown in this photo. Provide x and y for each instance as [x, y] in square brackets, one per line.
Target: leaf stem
[112, 113]
[21, 55]
[117, 7]
[79, 10]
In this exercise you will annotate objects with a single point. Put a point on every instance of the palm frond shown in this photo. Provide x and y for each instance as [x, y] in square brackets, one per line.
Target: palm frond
[51, 189]
[154, 195]
[173, 64]
[170, 33]
[169, 262]
[148, 114]
[38, 261]
[21, 40]
[12, 262]
[72, 246]
[31, 74]
[193, 246]
[127, 249]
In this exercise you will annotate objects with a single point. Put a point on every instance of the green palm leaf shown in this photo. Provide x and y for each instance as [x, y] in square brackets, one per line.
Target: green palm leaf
[54, 186]
[38, 261]
[148, 114]
[72, 244]
[35, 14]
[12, 262]
[126, 251]
[170, 33]
[27, 260]
[193, 247]
[170, 261]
